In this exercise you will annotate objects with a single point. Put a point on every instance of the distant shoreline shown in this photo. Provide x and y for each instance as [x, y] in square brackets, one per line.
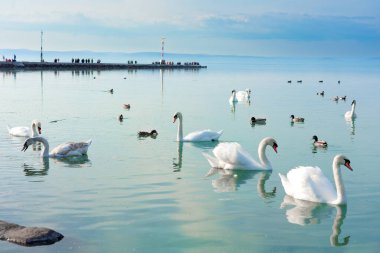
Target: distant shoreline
[21, 65]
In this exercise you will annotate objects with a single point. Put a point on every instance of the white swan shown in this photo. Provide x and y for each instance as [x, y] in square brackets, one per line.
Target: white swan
[243, 95]
[351, 114]
[205, 135]
[232, 156]
[33, 131]
[63, 150]
[309, 183]
[233, 98]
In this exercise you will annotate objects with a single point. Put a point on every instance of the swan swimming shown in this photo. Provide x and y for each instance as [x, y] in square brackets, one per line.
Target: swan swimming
[231, 156]
[233, 98]
[62, 150]
[243, 95]
[351, 114]
[205, 135]
[309, 183]
[33, 131]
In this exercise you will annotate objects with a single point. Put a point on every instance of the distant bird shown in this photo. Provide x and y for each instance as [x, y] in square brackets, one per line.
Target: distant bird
[258, 120]
[299, 81]
[243, 95]
[63, 150]
[111, 91]
[94, 77]
[31, 131]
[125, 78]
[296, 119]
[343, 98]
[336, 98]
[320, 81]
[319, 143]
[339, 82]
[351, 114]
[121, 117]
[152, 133]
[233, 98]
[322, 93]
[127, 106]
[289, 81]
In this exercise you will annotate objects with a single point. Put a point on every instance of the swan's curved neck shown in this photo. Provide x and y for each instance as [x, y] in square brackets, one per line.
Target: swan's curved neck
[33, 130]
[340, 190]
[45, 148]
[353, 108]
[262, 156]
[336, 228]
[180, 131]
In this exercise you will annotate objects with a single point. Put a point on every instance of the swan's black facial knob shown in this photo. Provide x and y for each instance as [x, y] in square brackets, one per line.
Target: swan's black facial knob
[275, 146]
[347, 164]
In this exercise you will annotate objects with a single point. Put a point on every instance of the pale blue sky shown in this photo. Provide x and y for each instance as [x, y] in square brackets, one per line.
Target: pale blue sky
[238, 27]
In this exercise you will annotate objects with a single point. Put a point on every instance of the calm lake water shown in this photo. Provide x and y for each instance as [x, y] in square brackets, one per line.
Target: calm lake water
[145, 195]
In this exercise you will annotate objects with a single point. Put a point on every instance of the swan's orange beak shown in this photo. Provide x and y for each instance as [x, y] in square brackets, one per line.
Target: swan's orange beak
[39, 130]
[347, 164]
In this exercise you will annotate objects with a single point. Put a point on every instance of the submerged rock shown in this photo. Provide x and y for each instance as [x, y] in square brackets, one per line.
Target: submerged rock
[28, 236]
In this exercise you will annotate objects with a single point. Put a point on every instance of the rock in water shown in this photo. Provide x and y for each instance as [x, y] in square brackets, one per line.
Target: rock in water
[28, 236]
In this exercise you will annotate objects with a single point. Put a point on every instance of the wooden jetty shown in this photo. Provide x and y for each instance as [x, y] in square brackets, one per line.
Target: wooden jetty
[25, 65]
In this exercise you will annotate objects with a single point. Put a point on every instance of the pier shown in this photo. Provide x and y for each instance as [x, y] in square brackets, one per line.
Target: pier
[25, 65]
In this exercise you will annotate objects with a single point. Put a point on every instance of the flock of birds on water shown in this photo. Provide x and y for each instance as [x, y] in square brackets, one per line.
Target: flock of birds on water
[303, 182]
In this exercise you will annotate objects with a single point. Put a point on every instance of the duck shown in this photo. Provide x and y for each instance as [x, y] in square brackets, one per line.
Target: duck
[336, 98]
[127, 106]
[310, 184]
[343, 98]
[152, 133]
[322, 93]
[289, 81]
[243, 95]
[299, 81]
[233, 98]
[204, 135]
[231, 156]
[320, 81]
[296, 119]
[258, 120]
[351, 114]
[33, 131]
[62, 150]
[319, 143]
[121, 117]
[111, 91]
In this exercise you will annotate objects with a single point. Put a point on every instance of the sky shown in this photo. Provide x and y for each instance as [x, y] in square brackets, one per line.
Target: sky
[346, 28]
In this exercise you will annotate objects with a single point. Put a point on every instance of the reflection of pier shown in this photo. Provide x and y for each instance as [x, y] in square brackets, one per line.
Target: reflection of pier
[97, 66]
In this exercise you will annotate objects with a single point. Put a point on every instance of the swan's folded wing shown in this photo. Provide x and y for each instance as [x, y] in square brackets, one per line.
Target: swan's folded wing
[309, 183]
[205, 135]
[70, 149]
[233, 154]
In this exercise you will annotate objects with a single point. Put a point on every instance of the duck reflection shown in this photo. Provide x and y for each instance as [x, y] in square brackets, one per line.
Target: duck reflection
[306, 212]
[231, 180]
[316, 149]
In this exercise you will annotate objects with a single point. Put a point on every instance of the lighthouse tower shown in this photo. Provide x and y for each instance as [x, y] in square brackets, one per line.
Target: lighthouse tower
[162, 50]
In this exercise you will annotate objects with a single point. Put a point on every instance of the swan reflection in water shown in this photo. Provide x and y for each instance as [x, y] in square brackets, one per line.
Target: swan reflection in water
[42, 168]
[231, 180]
[351, 124]
[306, 212]
[204, 145]
[233, 104]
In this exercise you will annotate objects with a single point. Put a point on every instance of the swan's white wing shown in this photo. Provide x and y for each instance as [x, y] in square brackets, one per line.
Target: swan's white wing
[19, 131]
[205, 135]
[242, 95]
[233, 156]
[70, 149]
[309, 183]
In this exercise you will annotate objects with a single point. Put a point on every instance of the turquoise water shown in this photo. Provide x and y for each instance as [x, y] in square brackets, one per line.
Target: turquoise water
[144, 195]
